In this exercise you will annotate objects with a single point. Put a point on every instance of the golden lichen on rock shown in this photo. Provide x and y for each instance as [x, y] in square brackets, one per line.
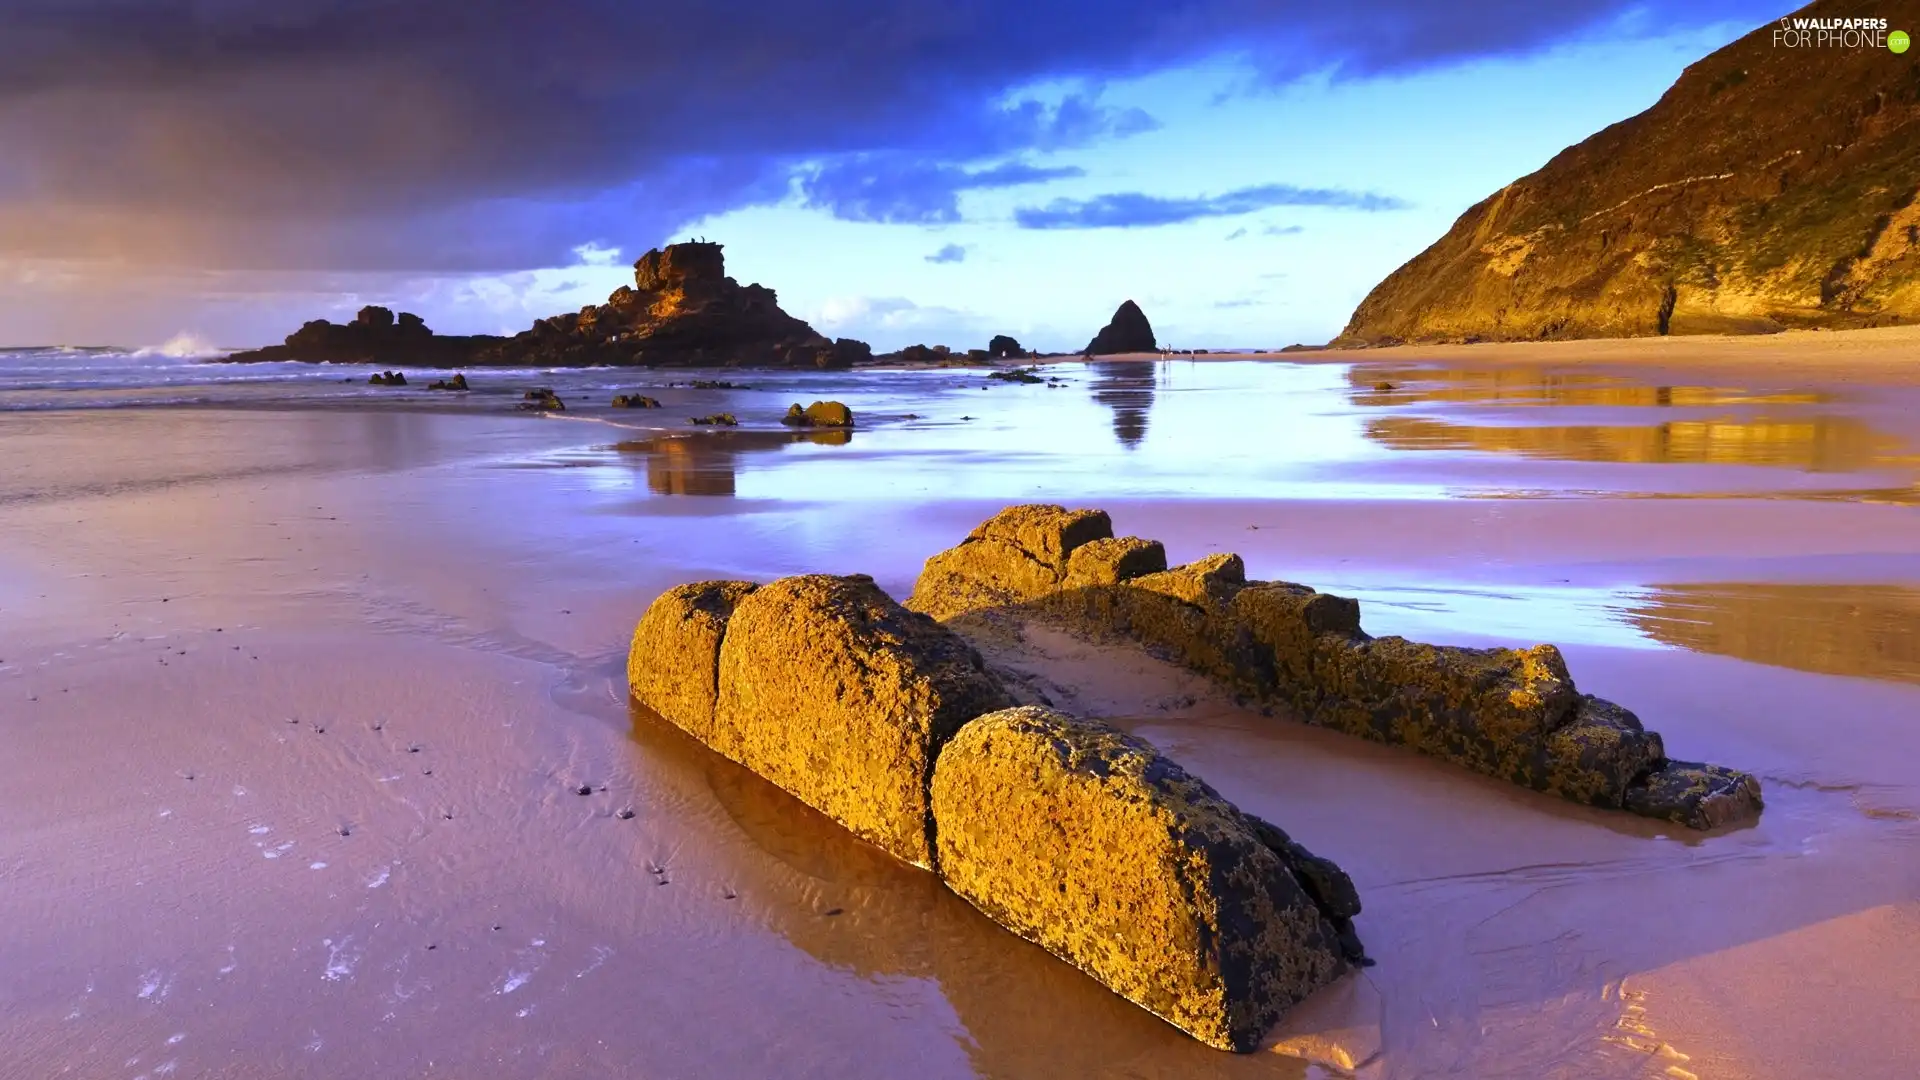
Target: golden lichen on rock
[833, 691]
[1111, 560]
[1018, 554]
[1089, 843]
[673, 666]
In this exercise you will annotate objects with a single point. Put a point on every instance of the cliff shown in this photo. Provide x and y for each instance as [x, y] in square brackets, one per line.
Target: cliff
[1771, 187]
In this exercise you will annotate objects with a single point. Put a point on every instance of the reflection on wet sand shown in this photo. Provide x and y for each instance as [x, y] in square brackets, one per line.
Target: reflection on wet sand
[1126, 387]
[1813, 444]
[706, 464]
[847, 904]
[1871, 631]
[1539, 386]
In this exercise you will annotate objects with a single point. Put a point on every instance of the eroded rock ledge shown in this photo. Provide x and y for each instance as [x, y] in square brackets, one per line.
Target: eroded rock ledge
[1071, 834]
[1513, 714]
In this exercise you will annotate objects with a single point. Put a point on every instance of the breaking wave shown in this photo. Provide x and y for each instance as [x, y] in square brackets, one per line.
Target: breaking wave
[181, 346]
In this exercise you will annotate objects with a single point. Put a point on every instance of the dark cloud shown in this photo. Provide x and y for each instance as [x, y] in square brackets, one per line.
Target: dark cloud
[482, 135]
[1132, 209]
[1237, 233]
[952, 253]
[898, 188]
[1282, 230]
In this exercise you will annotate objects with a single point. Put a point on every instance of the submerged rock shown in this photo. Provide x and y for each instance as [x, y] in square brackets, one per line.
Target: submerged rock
[387, 378]
[1089, 843]
[1695, 795]
[723, 419]
[673, 666]
[458, 382]
[833, 691]
[635, 401]
[1018, 375]
[1513, 714]
[1127, 332]
[831, 414]
[541, 399]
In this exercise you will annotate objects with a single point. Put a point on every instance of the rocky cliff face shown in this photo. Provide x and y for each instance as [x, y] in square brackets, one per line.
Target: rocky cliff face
[1771, 187]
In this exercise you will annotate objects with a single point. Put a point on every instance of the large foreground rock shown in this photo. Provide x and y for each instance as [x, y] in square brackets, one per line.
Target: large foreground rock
[673, 666]
[833, 691]
[1513, 714]
[1089, 843]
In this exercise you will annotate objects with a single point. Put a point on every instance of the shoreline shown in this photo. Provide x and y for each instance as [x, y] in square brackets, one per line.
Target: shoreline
[470, 585]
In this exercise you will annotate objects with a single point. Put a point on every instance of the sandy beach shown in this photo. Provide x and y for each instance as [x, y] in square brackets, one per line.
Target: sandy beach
[300, 688]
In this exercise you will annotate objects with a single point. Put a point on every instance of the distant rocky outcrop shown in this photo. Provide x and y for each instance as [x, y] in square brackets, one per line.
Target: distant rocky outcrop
[374, 336]
[681, 311]
[1127, 332]
[1003, 347]
[1513, 714]
[635, 401]
[1769, 188]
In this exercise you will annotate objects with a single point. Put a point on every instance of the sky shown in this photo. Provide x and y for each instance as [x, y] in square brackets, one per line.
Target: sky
[1245, 170]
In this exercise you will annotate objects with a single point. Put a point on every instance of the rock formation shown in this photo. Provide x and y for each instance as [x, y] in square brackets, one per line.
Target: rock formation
[1093, 846]
[373, 337]
[635, 401]
[1127, 332]
[1067, 832]
[1003, 347]
[541, 399]
[682, 310]
[832, 690]
[829, 414]
[1769, 188]
[1513, 714]
[674, 664]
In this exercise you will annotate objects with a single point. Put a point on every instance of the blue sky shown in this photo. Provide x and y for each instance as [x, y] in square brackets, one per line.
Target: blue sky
[1244, 196]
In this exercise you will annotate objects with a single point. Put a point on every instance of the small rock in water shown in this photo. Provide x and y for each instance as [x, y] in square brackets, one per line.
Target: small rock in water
[625, 814]
[583, 789]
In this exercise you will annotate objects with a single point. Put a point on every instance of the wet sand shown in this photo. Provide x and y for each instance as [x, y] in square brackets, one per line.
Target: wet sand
[295, 707]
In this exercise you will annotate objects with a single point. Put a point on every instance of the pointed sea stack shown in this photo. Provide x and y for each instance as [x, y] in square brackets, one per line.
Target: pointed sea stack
[1127, 332]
